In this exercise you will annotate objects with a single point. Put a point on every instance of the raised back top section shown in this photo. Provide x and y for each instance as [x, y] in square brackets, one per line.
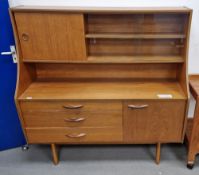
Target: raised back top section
[102, 35]
[104, 9]
[144, 44]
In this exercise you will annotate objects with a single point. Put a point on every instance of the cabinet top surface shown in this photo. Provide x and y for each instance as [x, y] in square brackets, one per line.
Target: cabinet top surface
[104, 9]
[101, 90]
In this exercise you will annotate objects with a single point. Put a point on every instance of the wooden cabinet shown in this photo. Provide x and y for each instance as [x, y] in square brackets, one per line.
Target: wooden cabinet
[102, 75]
[51, 36]
[152, 121]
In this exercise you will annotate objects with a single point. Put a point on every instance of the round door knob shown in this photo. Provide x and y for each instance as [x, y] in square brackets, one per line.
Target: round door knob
[25, 37]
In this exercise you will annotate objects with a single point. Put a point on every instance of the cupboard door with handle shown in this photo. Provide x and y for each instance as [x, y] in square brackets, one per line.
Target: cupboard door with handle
[51, 36]
[153, 121]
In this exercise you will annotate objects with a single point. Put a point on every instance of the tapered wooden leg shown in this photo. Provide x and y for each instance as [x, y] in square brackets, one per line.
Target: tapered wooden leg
[158, 150]
[54, 154]
[191, 158]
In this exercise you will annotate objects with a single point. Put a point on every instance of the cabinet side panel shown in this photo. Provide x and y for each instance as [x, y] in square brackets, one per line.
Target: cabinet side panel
[183, 71]
[25, 74]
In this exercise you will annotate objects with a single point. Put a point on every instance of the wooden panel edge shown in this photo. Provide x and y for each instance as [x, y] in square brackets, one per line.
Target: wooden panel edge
[78, 9]
[183, 71]
[18, 67]
[186, 88]
[185, 119]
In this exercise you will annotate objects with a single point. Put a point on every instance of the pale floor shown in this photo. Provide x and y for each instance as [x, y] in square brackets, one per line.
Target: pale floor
[97, 160]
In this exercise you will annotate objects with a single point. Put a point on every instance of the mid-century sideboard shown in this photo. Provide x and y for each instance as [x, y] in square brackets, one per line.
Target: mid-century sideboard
[102, 75]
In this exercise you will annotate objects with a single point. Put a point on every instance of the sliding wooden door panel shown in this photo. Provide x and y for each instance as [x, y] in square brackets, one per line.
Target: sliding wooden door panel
[51, 36]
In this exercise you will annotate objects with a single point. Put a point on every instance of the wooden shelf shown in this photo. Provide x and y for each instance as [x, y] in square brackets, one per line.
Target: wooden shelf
[135, 59]
[136, 36]
[117, 59]
[95, 90]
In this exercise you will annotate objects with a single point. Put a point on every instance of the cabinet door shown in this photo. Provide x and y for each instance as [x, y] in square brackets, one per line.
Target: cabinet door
[153, 121]
[51, 36]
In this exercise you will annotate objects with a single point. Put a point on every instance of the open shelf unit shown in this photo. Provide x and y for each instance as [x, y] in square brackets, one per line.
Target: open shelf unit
[133, 37]
[144, 35]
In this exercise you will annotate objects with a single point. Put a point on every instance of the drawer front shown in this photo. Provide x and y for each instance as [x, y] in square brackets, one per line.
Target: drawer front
[88, 115]
[74, 135]
[64, 119]
[153, 121]
[69, 106]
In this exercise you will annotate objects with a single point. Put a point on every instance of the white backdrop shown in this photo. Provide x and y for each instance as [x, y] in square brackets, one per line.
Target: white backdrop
[194, 4]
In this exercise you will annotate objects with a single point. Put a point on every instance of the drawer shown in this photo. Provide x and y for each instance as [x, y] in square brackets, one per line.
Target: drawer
[65, 119]
[89, 115]
[69, 106]
[74, 135]
[154, 121]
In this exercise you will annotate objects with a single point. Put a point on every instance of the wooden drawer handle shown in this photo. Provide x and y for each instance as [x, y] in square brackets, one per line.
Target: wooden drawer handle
[73, 107]
[25, 37]
[76, 135]
[74, 119]
[137, 106]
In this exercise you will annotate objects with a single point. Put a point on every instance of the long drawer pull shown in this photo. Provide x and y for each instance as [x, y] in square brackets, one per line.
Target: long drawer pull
[137, 106]
[74, 119]
[73, 107]
[76, 135]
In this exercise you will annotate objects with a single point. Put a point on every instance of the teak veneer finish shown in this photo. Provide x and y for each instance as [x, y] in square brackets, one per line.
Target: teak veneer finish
[102, 75]
[102, 9]
[147, 125]
[51, 36]
[101, 90]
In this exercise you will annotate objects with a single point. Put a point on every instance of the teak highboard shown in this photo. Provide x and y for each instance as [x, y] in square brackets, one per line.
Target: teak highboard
[102, 75]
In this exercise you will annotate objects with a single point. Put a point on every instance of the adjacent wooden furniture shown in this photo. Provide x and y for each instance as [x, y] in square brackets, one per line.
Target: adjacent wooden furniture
[102, 75]
[193, 123]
